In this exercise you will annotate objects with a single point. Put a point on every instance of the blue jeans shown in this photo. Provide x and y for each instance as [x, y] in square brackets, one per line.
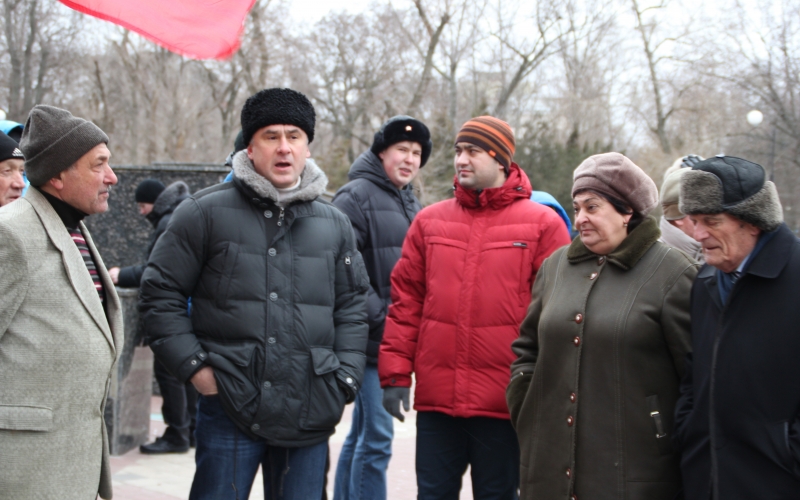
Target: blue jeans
[446, 445]
[227, 462]
[361, 472]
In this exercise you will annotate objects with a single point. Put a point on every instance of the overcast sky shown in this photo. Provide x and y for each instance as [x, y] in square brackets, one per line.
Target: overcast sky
[312, 11]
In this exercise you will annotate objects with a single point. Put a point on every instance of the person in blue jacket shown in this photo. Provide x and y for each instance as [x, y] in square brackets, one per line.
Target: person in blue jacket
[550, 201]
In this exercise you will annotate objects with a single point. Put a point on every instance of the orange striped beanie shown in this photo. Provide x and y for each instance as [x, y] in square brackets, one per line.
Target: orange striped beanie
[491, 134]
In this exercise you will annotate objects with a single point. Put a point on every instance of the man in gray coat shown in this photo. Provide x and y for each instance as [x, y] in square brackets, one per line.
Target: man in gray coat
[60, 317]
[275, 342]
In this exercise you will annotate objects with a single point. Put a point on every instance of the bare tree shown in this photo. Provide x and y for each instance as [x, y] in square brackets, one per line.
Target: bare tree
[352, 69]
[38, 35]
[761, 58]
[585, 52]
[528, 50]
[434, 35]
[666, 92]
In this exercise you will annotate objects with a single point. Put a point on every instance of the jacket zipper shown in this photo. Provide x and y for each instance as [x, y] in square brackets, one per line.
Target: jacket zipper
[350, 278]
[280, 218]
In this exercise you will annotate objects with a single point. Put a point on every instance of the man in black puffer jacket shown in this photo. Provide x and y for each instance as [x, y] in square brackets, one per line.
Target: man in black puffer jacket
[275, 343]
[179, 399]
[380, 202]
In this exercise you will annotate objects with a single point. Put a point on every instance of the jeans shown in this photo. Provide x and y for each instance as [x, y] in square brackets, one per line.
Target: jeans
[227, 462]
[361, 471]
[179, 406]
[446, 445]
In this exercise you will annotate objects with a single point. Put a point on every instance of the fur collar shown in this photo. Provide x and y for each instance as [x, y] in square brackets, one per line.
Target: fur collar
[628, 253]
[311, 187]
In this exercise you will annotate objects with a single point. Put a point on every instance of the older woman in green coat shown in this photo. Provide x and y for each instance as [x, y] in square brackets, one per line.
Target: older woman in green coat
[601, 351]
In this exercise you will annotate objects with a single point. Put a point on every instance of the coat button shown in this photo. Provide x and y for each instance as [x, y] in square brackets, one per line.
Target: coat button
[573, 497]
[600, 261]
[572, 397]
[593, 276]
[267, 385]
[570, 421]
[272, 252]
[569, 472]
[273, 296]
[255, 427]
[267, 214]
[579, 318]
[576, 341]
[271, 340]
[194, 361]
[349, 380]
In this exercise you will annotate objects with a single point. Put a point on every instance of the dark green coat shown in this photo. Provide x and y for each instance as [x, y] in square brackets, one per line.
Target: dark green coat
[601, 350]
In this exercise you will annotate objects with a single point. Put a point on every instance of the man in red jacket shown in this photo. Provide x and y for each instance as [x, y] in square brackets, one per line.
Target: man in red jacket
[459, 293]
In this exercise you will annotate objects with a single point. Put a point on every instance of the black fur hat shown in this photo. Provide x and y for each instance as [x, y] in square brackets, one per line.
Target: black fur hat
[403, 128]
[277, 106]
[734, 186]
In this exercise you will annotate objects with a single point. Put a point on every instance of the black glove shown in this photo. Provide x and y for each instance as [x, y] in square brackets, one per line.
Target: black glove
[392, 396]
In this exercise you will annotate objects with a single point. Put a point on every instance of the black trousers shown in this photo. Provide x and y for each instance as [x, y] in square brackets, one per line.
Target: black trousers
[446, 445]
[179, 407]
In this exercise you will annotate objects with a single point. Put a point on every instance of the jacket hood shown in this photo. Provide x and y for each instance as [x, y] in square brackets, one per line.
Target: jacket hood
[628, 253]
[168, 200]
[517, 186]
[312, 185]
[370, 167]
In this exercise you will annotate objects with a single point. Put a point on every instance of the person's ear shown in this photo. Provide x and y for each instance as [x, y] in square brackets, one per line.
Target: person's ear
[57, 182]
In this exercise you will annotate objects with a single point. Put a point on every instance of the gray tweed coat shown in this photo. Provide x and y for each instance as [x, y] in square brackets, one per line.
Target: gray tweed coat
[57, 351]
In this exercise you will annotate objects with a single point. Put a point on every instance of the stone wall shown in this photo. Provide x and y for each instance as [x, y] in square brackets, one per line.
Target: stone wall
[121, 234]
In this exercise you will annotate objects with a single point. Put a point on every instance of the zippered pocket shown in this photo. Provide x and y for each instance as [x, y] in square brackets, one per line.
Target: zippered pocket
[357, 278]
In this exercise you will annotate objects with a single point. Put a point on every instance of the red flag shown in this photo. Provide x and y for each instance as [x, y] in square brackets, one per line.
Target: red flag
[203, 29]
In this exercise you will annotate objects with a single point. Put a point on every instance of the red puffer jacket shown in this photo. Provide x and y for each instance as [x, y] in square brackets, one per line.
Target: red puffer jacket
[459, 293]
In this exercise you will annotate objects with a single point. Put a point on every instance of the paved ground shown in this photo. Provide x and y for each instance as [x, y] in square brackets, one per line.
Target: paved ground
[169, 477]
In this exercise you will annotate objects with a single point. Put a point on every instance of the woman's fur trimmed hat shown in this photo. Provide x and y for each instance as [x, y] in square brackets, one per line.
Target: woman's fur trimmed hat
[734, 186]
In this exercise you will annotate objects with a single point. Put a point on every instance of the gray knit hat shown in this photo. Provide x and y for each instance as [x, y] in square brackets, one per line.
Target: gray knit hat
[53, 140]
[734, 186]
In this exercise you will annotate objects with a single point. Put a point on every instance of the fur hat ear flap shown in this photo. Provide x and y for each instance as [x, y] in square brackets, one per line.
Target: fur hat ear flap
[701, 193]
[762, 210]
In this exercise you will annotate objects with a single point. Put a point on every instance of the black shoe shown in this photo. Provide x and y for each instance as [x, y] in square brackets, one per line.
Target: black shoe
[161, 446]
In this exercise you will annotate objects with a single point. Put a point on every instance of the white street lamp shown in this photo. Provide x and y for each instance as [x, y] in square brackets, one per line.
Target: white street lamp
[755, 117]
